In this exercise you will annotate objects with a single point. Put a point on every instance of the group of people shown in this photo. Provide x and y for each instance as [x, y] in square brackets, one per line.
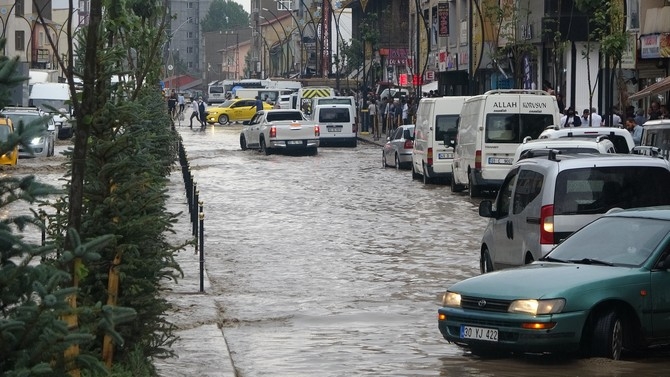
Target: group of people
[632, 120]
[177, 101]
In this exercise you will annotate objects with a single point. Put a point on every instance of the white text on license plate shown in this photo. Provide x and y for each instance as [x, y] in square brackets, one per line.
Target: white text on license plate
[334, 128]
[479, 333]
[500, 161]
[294, 142]
[442, 156]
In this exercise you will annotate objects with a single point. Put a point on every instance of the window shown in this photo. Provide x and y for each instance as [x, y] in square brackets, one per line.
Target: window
[505, 195]
[528, 187]
[19, 8]
[284, 4]
[341, 115]
[446, 126]
[19, 40]
[190, 35]
[512, 128]
[189, 20]
[190, 64]
[189, 5]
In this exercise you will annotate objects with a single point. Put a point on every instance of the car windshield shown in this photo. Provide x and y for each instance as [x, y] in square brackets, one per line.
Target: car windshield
[26, 118]
[227, 103]
[629, 241]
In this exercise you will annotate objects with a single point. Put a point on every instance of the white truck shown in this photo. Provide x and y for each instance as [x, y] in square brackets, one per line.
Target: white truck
[281, 129]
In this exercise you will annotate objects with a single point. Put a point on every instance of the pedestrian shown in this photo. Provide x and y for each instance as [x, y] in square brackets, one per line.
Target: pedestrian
[182, 103]
[585, 117]
[596, 119]
[382, 112]
[172, 104]
[374, 123]
[639, 117]
[202, 111]
[570, 119]
[259, 104]
[635, 130]
[405, 111]
[195, 114]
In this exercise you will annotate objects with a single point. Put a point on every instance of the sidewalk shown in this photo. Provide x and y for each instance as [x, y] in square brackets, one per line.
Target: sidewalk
[369, 138]
[201, 349]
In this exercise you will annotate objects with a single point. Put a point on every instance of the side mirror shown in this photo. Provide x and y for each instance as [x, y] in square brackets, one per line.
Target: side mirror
[486, 209]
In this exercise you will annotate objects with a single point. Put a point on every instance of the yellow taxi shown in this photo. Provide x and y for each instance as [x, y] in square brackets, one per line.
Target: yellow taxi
[234, 110]
[6, 129]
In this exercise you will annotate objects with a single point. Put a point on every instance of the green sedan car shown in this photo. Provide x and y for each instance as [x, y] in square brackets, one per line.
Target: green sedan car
[605, 289]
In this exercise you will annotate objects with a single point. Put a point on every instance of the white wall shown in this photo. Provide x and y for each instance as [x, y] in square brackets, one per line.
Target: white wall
[581, 75]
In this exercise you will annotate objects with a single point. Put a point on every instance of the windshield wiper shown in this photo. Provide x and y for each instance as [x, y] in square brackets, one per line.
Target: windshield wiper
[550, 259]
[591, 261]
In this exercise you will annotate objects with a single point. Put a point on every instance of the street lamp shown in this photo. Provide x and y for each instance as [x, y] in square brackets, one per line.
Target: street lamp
[300, 31]
[278, 38]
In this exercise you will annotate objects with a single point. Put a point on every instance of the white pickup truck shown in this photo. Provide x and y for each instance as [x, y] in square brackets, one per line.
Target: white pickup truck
[280, 129]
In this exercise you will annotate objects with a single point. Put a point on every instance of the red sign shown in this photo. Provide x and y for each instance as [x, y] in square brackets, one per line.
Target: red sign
[402, 79]
[443, 16]
[417, 80]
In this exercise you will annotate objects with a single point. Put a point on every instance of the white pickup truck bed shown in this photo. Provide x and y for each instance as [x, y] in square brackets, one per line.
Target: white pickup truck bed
[280, 129]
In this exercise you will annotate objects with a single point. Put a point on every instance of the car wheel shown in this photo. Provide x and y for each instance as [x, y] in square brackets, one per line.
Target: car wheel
[243, 143]
[415, 175]
[384, 164]
[455, 187]
[608, 335]
[264, 148]
[473, 191]
[426, 179]
[397, 162]
[223, 119]
[313, 151]
[485, 263]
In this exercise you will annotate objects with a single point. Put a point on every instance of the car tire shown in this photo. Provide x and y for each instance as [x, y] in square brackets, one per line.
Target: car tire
[223, 120]
[384, 164]
[455, 187]
[485, 263]
[397, 162]
[313, 151]
[608, 336]
[415, 175]
[426, 179]
[243, 143]
[473, 191]
[264, 149]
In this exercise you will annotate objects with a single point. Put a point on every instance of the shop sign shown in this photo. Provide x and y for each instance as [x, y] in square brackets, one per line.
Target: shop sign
[653, 46]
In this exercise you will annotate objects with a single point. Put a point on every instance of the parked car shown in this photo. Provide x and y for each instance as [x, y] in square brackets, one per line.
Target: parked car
[233, 110]
[6, 129]
[566, 145]
[622, 139]
[42, 145]
[543, 200]
[397, 151]
[603, 290]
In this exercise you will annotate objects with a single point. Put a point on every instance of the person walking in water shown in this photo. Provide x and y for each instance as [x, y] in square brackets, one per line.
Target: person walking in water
[195, 114]
[203, 114]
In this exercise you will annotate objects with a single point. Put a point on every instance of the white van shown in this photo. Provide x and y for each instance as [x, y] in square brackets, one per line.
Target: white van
[491, 127]
[54, 98]
[657, 134]
[337, 124]
[436, 122]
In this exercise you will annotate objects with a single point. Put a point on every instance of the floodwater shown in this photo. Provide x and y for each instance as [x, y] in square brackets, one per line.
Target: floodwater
[331, 265]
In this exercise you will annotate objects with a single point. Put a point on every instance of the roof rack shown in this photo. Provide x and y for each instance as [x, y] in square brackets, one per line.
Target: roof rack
[518, 91]
[553, 153]
[526, 139]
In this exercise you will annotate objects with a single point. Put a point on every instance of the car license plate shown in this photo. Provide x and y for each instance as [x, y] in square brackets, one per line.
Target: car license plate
[334, 128]
[443, 156]
[479, 333]
[294, 142]
[500, 161]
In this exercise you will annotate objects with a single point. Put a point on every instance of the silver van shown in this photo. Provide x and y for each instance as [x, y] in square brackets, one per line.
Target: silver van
[545, 199]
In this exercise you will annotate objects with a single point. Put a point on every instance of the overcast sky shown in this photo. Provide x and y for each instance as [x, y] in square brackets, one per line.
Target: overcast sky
[60, 4]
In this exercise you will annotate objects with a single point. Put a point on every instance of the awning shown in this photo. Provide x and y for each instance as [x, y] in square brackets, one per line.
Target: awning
[659, 87]
[428, 87]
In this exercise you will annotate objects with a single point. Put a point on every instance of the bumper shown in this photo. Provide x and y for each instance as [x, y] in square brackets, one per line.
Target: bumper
[38, 151]
[441, 171]
[405, 157]
[565, 336]
[291, 144]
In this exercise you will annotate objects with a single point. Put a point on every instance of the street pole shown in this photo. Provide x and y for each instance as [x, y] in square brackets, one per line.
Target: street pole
[300, 31]
[277, 33]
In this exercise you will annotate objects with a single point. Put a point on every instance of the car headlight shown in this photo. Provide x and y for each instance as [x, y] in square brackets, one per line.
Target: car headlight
[537, 307]
[451, 299]
[37, 141]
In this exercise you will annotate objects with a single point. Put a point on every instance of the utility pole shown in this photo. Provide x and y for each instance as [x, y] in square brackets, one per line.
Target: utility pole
[255, 69]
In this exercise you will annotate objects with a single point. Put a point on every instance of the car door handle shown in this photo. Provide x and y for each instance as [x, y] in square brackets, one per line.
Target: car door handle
[510, 230]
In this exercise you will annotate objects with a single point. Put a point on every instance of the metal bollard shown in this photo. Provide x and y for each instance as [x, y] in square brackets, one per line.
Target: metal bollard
[194, 212]
[202, 249]
[43, 216]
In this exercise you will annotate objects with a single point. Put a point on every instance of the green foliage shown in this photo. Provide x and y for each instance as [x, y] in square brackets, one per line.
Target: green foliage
[224, 15]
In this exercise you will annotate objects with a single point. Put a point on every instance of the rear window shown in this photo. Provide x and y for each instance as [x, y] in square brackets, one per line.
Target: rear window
[408, 133]
[513, 128]
[284, 115]
[620, 143]
[334, 115]
[443, 124]
[597, 190]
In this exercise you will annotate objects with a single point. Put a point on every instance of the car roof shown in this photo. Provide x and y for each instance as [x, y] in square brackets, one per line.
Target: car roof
[584, 131]
[571, 161]
[567, 141]
[656, 212]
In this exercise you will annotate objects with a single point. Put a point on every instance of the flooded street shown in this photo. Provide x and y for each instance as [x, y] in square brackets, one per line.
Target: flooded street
[331, 265]
[334, 266]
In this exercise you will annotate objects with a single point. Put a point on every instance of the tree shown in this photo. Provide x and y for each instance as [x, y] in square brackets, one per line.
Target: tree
[224, 15]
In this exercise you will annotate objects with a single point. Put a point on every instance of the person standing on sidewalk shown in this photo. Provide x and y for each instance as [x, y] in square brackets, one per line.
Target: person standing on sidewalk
[374, 124]
[195, 114]
[383, 112]
[202, 111]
